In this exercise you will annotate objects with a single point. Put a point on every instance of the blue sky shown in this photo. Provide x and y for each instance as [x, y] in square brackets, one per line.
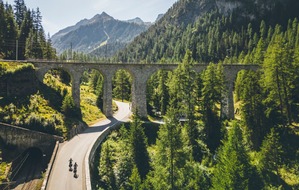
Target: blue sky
[58, 14]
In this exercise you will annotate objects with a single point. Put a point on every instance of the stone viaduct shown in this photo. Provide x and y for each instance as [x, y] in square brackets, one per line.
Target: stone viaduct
[140, 74]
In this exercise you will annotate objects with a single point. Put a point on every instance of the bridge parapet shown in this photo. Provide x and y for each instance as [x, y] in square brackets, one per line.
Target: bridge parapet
[23, 138]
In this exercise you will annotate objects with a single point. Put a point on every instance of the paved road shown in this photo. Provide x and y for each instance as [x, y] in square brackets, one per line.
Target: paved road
[61, 178]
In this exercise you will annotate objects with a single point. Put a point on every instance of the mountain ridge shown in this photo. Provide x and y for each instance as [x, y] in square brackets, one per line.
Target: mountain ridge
[183, 26]
[89, 34]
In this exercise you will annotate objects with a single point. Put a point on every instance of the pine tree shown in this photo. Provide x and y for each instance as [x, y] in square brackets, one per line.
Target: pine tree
[183, 95]
[106, 173]
[2, 28]
[37, 20]
[233, 170]
[125, 163]
[162, 92]
[138, 143]
[20, 11]
[135, 179]
[277, 74]
[33, 46]
[212, 90]
[252, 108]
[49, 52]
[10, 34]
[122, 85]
[270, 156]
[25, 28]
[68, 107]
[170, 158]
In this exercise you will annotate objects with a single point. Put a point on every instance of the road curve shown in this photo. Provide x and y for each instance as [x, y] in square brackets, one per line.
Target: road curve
[61, 178]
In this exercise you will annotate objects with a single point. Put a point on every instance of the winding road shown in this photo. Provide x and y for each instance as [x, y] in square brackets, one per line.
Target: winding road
[76, 148]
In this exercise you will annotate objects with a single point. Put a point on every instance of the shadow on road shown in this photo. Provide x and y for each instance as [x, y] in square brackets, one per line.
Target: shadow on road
[112, 122]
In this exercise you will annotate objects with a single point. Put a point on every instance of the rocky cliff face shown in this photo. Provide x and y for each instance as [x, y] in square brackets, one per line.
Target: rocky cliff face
[88, 35]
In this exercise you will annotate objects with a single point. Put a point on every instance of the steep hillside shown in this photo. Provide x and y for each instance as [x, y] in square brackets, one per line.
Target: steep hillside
[88, 35]
[207, 28]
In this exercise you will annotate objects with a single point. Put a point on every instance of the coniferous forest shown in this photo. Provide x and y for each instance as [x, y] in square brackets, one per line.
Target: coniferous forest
[196, 148]
[192, 146]
[21, 33]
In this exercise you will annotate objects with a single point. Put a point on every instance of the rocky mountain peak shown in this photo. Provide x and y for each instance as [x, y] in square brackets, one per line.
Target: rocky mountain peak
[136, 20]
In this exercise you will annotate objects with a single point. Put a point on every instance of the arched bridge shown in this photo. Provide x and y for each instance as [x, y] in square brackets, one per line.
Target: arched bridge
[140, 74]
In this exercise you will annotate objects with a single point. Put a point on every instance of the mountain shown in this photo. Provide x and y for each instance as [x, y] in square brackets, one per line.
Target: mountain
[211, 29]
[139, 21]
[90, 34]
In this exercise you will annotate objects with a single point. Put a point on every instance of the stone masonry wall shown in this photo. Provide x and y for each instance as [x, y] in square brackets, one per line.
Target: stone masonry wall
[24, 138]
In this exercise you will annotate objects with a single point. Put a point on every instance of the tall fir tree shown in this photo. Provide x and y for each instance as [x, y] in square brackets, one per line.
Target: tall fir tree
[122, 85]
[233, 169]
[170, 158]
[2, 28]
[10, 33]
[138, 143]
[106, 172]
[253, 109]
[211, 97]
[277, 75]
[183, 96]
[270, 156]
[20, 11]
[26, 26]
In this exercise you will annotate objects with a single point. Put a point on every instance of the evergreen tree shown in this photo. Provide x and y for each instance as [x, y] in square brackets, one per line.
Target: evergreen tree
[233, 170]
[37, 20]
[183, 95]
[252, 108]
[20, 11]
[106, 173]
[125, 163]
[122, 85]
[277, 75]
[212, 91]
[10, 34]
[162, 92]
[96, 81]
[33, 46]
[49, 52]
[25, 28]
[2, 29]
[138, 143]
[170, 158]
[68, 107]
[270, 158]
[135, 179]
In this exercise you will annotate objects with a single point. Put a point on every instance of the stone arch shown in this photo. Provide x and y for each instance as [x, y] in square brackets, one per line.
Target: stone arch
[43, 68]
[131, 78]
[90, 91]
[139, 84]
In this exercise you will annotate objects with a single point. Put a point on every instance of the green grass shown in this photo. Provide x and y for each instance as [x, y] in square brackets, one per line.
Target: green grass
[90, 112]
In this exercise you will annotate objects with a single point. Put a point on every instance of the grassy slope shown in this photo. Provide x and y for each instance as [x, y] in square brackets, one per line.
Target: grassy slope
[46, 104]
